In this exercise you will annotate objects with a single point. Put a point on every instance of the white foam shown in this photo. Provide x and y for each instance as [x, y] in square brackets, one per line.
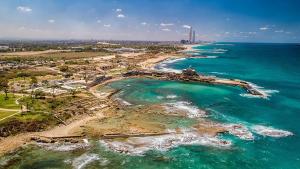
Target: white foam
[240, 131]
[224, 44]
[140, 145]
[270, 131]
[192, 111]
[123, 102]
[63, 146]
[171, 96]
[86, 141]
[212, 57]
[159, 97]
[163, 66]
[265, 92]
[219, 73]
[83, 160]
[205, 57]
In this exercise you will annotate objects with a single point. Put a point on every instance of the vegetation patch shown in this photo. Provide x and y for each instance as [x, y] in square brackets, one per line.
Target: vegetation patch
[9, 102]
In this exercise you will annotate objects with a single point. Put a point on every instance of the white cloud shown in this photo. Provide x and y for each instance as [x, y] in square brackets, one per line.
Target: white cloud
[252, 33]
[21, 28]
[279, 31]
[121, 16]
[263, 28]
[166, 24]
[24, 9]
[144, 23]
[186, 26]
[227, 33]
[107, 25]
[51, 21]
[166, 30]
[98, 21]
[118, 10]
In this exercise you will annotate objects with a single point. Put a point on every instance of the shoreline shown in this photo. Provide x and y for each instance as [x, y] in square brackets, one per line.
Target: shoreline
[12, 143]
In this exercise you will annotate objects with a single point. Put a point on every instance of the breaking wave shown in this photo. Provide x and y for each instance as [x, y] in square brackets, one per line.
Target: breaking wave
[83, 160]
[270, 131]
[191, 111]
[140, 145]
[171, 96]
[219, 73]
[123, 102]
[240, 131]
[266, 92]
[163, 66]
[63, 146]
[205, 57]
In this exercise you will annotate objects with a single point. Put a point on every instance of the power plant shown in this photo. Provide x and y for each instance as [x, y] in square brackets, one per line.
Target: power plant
[192, 37]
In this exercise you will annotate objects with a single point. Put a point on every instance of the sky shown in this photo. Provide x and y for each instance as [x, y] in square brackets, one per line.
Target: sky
[164, 20]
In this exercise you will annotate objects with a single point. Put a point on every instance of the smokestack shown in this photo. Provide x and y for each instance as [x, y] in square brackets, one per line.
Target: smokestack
[191, 34]
[194, 36]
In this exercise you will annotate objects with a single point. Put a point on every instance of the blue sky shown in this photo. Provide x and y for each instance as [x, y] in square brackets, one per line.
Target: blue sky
[220, 20]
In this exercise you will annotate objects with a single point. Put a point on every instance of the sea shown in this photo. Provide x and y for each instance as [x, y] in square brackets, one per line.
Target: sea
[274, 121]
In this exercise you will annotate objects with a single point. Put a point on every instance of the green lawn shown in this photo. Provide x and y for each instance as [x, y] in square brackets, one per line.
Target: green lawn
[4, 114]
[10, 103]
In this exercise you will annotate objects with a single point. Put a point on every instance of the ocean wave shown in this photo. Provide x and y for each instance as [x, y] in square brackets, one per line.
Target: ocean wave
[140, 145]
[163, 66]
[123, 102]
[169, 61]
[212, 57]
[191, 111]
[219, 73]
[63, 146]
[85, 159]
[205, 57]
[240, 131]
[172, 96]
[265, 92]
[270, 131]
[224, 44]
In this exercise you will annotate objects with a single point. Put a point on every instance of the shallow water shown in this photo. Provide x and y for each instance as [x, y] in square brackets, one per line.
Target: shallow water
[275, 67]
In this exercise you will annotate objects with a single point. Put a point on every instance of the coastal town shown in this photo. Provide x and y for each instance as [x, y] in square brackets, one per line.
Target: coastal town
[56, 94]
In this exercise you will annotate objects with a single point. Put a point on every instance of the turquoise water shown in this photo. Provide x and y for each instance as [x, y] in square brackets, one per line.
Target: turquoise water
[275, 67]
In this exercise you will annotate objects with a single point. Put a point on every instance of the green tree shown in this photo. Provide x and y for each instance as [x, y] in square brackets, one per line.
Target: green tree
[73, 92]
[4, 87]
[38, 94]
[22, 74]
[64, 68]
[33, 82]
[53, 87]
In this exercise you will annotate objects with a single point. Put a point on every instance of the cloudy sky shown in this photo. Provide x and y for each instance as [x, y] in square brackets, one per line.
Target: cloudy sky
[220, 20]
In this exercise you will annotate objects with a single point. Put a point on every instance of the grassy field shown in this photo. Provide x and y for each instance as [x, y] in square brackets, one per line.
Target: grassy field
[55, 56]
[4, 114]
[10, 103]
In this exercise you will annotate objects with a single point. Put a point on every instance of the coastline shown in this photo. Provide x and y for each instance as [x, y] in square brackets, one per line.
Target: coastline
[190, 47]
[140, 126]
[74, 127]
[12, 143]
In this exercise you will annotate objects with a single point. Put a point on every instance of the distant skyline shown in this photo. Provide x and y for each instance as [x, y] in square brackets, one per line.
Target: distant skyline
[168, 20]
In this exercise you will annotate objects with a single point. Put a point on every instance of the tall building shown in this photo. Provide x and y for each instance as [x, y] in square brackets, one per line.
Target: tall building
[191, 34]
[194, 36]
